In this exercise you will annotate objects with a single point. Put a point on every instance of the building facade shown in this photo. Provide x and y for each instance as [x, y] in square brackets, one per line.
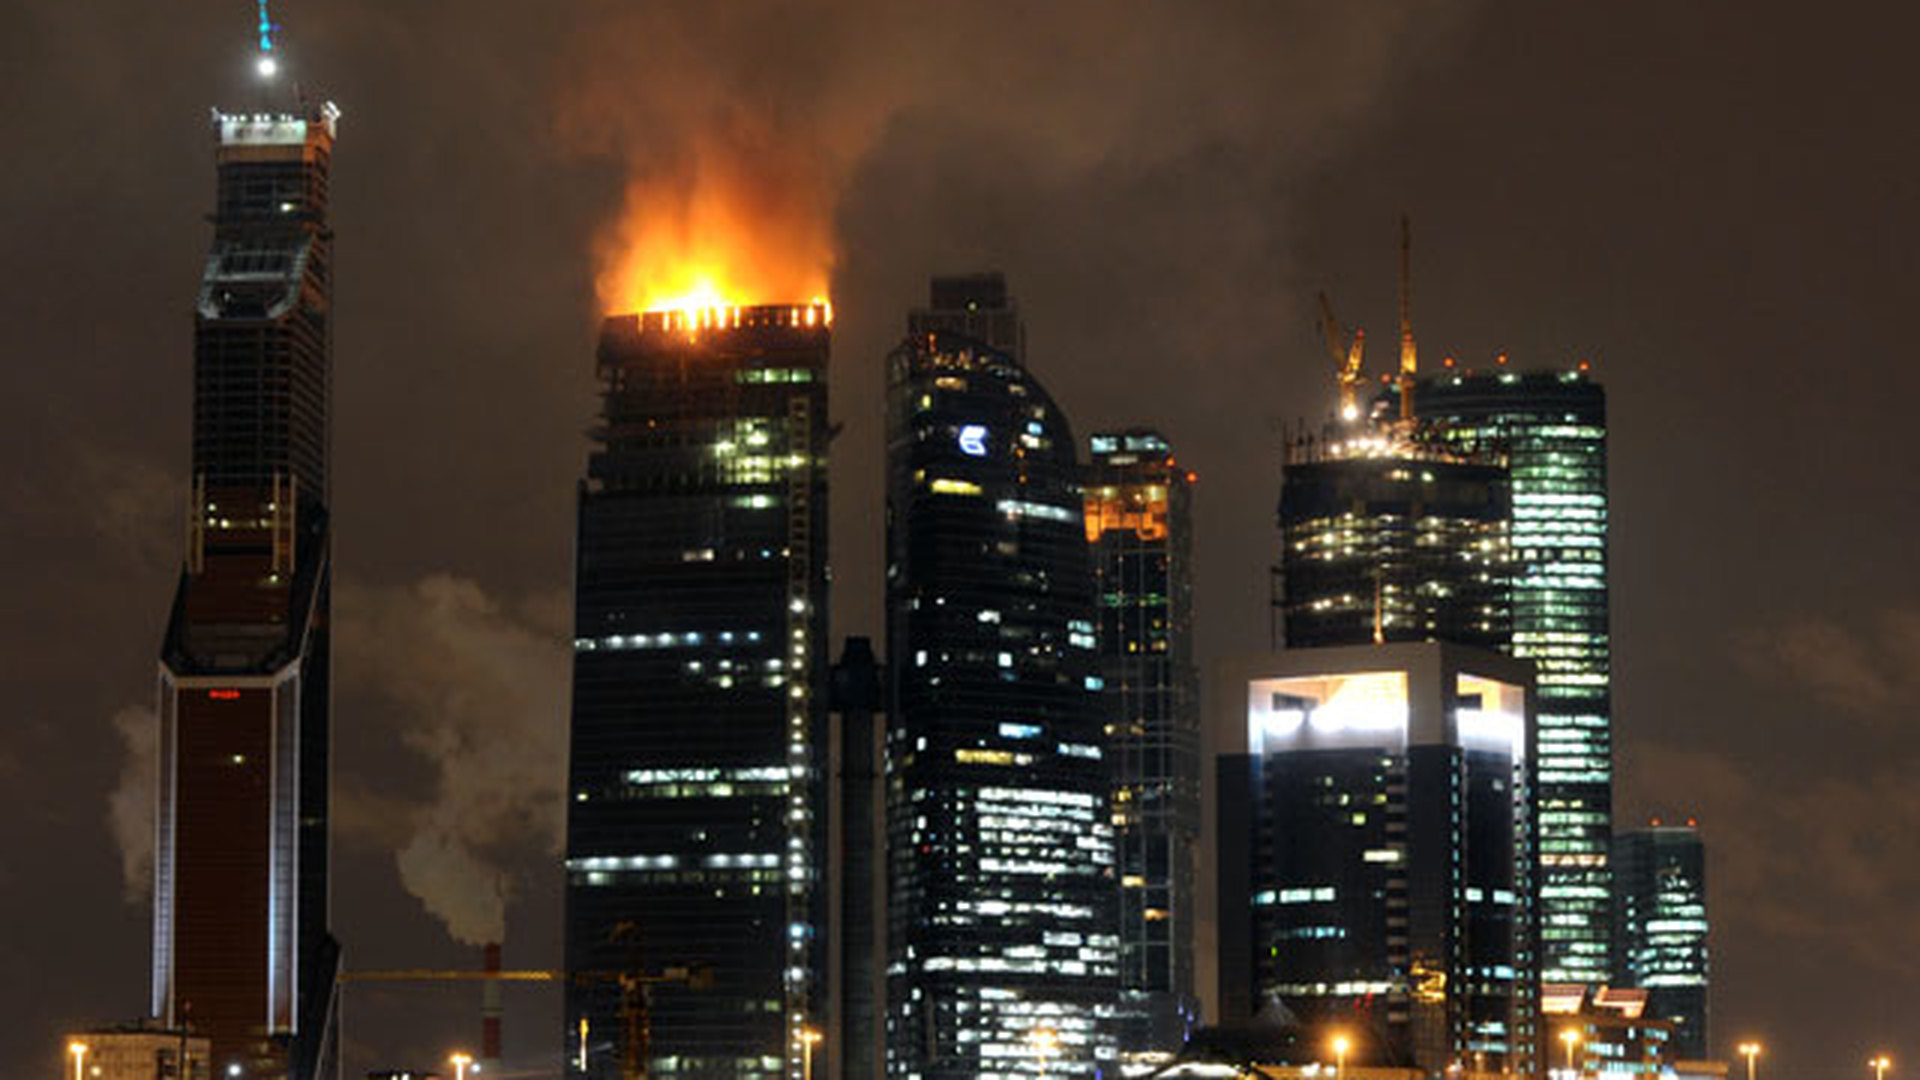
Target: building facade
[1381, 880]
[695, 830]
[1552, 428]
[1001, 945]
[241, 950]
[1387, 537]
[1598, 1031]
[138, 1052]
[1140, 526]
[1660, 928]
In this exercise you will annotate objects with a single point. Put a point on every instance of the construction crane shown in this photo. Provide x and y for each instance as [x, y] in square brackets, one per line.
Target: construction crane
[1346, 355]
[636, 996]
[1409, 355]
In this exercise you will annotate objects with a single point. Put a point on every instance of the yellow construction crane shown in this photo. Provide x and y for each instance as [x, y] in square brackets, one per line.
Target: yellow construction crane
[1409, 355]
[1346, 356]
[636, 996]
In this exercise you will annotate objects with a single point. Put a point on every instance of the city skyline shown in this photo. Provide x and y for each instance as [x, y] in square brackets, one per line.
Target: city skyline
[113, 484]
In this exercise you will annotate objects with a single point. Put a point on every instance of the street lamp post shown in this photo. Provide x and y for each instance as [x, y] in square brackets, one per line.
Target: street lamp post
[79, 1051]
[809, 1037]
[1572, 1038]
[1880, 1066]
[1750, 1050]
[460, 1063]
[1341, 1044]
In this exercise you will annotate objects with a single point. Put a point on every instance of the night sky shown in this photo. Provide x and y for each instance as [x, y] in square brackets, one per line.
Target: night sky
[1715, 203]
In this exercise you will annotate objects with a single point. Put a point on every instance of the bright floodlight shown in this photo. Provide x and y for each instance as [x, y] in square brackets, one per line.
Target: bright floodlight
[268, 67]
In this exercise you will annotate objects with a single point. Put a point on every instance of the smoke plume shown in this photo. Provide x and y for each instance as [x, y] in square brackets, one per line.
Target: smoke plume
[741, 126]
[478, 693]
[130, 806]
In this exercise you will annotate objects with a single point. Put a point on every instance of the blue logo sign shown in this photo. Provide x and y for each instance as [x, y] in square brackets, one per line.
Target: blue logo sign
[973, 440]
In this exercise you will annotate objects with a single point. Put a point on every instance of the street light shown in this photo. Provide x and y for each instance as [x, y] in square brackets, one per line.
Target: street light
[809, 1037]
[1571, 1036]
[1750, 1050]
[79, 1051]
[1044, 1041]
[460, 1063]
[1341, 1044]
[1880, 1066]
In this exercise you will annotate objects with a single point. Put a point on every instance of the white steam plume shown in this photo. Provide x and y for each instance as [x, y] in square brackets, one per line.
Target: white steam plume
[480, 693]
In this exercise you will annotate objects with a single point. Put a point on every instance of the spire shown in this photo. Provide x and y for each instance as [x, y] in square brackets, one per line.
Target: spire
[268, 65]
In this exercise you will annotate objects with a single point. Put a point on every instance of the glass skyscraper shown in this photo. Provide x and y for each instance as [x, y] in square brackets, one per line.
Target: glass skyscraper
[1552, 427]
[1660, 927]
[241, 950]
[1001, 952]
[1139, 521]
[695, 825]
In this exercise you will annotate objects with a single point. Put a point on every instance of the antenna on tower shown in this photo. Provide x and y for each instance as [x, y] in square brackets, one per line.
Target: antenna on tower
[267, 65]
[1409, 354]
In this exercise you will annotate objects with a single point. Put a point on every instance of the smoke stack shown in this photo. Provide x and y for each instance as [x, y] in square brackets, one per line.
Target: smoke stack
[490, 1007]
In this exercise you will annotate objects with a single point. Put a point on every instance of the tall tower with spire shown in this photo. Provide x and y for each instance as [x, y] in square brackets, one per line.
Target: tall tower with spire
[241, 950]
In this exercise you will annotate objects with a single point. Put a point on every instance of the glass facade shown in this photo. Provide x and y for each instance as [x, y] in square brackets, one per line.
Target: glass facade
[1552, 427]
[1139, 522]
[694, 828]
[240, 939]
[1660, 927]
[1389, 860]
[1001, 950]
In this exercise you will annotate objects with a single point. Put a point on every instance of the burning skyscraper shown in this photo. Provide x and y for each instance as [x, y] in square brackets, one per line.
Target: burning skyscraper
[241, 951]
[695, 829]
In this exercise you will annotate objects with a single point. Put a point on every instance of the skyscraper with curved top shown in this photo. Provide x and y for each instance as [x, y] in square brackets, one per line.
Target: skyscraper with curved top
[241, 951]
[1002, 941]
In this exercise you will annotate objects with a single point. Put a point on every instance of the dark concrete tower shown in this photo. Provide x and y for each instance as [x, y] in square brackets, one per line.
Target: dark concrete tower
[1001, 920]
[695, 826]
[241, 951]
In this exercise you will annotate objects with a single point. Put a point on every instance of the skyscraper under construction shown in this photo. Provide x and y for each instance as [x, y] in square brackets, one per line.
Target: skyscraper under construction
[241, 951]
[1001, 928]
[695, 828]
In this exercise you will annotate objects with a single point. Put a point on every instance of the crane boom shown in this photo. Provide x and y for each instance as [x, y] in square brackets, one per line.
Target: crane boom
[1409, 353]
[1346, 355]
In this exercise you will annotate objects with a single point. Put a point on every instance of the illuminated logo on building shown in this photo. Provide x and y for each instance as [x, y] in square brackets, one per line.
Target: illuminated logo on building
[973, 440]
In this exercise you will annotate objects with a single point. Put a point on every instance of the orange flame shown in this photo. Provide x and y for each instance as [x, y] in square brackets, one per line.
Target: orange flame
[740, 230]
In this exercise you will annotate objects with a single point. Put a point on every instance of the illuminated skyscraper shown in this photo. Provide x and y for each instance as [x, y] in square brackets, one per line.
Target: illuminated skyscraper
[1660, 927]
[1376, 859]
[1387, 536]
[695, 822]
[1139, 521]
[1001, 907]
[1552, 427]
[241, 951]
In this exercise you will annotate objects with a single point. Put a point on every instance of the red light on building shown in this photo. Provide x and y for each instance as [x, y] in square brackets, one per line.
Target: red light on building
[224, 695]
